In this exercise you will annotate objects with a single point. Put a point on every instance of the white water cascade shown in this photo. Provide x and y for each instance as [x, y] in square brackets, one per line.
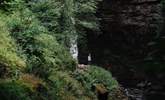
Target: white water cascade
[74, 47]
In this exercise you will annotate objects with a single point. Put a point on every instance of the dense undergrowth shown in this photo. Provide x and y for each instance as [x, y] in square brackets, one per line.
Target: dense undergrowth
[35, 66]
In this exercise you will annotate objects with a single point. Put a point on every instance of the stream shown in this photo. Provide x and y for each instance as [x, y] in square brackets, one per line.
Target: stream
[134, 94]
[147, 93]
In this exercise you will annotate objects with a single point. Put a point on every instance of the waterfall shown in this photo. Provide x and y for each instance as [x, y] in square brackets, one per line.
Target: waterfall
[74, 47]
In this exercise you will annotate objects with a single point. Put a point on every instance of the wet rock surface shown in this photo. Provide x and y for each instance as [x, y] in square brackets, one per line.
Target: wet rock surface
[134, 94]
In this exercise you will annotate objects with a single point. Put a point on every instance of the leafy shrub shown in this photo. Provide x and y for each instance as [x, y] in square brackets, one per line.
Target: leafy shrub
[85, 14]
[23, 27]
[11, 90]
[65, 19]
[43, 52]
[48, 12]
[4, 4]
[37, 86]
[67, 88]
[9, 60]
[27, 87]
[96, 76]
[31, 81]
[25, 35]
[50, 55]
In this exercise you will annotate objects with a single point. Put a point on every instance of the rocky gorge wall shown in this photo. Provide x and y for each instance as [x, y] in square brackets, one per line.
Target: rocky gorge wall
[132, 33]
[128, 29]
[130, 25]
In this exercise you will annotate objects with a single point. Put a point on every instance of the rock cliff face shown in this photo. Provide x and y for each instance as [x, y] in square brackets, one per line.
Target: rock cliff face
[128, 27]
[130, 31]
[131, 16]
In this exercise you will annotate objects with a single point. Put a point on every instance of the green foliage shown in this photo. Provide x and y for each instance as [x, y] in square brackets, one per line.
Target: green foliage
[32, 82]
[9, 60]
[65, 19]
[27, 87]
[85, 14]
[43, 52]
[95, 75]
[10, 90]
[65, 87]
[57, 17]
[48, 12]
[30, 31]
[4, 4]
[50, 55]
[23, 27]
